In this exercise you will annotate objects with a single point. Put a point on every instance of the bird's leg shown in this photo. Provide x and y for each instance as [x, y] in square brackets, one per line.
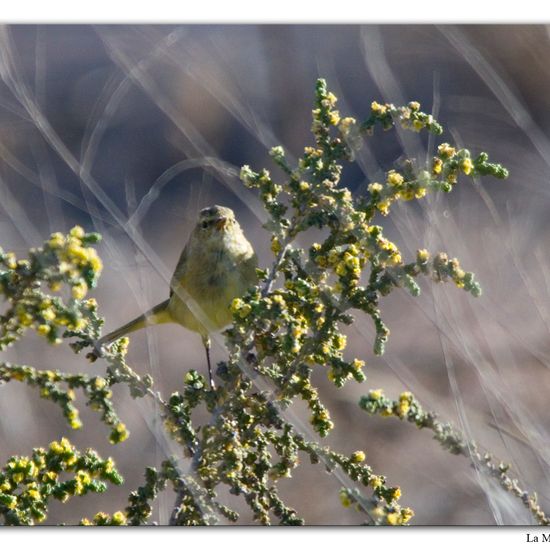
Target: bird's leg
[206, 342]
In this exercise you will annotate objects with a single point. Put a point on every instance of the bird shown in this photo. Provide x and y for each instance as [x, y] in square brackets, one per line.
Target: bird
[217, 265]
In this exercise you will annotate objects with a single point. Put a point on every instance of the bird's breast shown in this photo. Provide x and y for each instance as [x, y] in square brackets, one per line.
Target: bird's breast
[213, 277]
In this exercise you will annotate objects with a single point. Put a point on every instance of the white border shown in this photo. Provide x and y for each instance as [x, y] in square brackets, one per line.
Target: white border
[273, 11]
[235, 538]
[266, 11]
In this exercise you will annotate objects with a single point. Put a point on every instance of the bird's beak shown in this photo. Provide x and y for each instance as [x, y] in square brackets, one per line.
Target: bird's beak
[220, 224]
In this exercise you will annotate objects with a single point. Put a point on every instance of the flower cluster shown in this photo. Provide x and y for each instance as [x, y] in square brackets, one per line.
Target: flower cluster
[410, 117]
[406, 407]
[292, 329]
[67, 261]
[28, 483]
[413, 183]
[59, 387]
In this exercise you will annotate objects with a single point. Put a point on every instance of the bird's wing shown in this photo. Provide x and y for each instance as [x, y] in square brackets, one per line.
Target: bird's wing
[179, 271]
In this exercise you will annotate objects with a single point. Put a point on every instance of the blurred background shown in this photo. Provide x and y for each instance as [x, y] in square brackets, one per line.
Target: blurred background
[130, 130]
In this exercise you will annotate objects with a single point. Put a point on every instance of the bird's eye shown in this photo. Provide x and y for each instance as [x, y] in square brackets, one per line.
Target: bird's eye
[204, 224]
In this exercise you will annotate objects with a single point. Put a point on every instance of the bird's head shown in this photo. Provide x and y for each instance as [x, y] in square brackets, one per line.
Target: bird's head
[216, 219]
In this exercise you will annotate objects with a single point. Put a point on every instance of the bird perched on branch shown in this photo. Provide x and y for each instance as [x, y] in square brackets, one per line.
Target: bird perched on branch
[217, 265]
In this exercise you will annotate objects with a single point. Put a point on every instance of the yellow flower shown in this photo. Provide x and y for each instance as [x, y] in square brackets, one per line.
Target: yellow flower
[420, 193]
[388, 246]
[48, 314]
[75, 423]
[334, 118]
[403, 408]
[333, 257]
[407, 194]
[10, 260]
[79, 324]
[340, 341]
[5, 487]
[304, 186]
[357, 364]
[25, 318]
[406, 514]
[44, 329]
[101, 517]
[94, 260]
[395, 258]
[414, 105]
[352, 262]
[119, 518]
[467, 166]
[384, 207]
[18, 477]
[437, 166]
[77, 232]
[123, 344]
[375, 188]
[275, 245]
[358, 456]
[91, 303]
[341, 269]
[56, 448]
[33, 494]
[377, 108]
[445, 150]
[376, 394]
[345, 499]
[123, 434]
[393, 518]
[83, 477]
[394, 178]
[245, 310]
[279, 300]
[346, 124]
[236, 305]
[79, 291]
[376, 482]
[57, 240]
[49, 476]
[422, 255]
[12, 504]
[109, 465]
[322, 415]
[77, 252]
[329, 101]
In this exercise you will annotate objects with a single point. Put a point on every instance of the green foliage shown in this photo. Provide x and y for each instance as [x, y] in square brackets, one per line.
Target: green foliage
[409, 409]
[62, 263]
[284, 328]
[28, 483]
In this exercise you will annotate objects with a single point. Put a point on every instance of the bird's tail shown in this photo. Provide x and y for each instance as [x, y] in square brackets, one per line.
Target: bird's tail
[159, 314]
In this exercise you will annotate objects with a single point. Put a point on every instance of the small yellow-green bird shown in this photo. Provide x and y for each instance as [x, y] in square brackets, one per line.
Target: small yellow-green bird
[217, 265]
